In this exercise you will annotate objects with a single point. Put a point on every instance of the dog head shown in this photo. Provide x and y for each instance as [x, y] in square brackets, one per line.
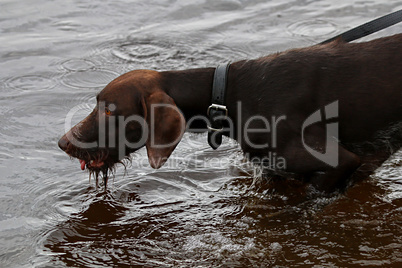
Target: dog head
[131, 112]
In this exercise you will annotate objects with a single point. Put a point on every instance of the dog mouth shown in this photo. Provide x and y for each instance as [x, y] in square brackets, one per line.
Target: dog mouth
[99, 162]
[95, 161]
[92, 164]
[99, 165]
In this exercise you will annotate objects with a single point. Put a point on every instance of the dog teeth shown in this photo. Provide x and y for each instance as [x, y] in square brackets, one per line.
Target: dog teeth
[91, 162]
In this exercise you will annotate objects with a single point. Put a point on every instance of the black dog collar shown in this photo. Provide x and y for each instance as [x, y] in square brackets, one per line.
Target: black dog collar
[218, 112]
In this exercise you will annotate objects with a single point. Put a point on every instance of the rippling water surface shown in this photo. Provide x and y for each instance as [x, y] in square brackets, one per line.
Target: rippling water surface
[201, 211]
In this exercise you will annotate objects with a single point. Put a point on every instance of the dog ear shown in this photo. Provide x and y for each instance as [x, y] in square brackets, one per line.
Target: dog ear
[166, 126]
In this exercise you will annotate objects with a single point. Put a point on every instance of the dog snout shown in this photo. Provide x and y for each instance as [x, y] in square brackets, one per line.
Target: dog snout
[64, 143]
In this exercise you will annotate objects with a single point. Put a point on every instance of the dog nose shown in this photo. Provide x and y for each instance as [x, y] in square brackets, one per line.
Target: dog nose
[64, 143]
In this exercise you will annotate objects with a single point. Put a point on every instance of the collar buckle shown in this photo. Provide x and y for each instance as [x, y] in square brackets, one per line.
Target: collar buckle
[218, 107]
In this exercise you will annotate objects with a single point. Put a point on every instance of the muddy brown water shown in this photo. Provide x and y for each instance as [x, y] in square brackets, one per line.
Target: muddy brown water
[202, 209]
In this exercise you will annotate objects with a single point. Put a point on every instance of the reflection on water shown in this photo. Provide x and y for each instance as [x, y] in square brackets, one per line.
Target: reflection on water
[205, 209]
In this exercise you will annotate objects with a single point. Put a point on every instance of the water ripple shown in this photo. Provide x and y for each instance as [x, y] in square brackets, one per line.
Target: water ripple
[312, 28]
[141, 51]
[89, 79]
[78, 65]
[28, 83]
[161, 52]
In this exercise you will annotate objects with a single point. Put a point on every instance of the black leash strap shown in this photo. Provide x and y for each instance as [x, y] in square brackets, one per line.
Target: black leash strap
[217, 112]
[369, 27]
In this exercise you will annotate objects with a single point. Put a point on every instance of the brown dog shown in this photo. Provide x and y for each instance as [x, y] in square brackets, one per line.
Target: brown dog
[276, 107]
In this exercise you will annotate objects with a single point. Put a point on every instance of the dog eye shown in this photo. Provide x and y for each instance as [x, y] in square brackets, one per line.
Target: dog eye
[107, 111]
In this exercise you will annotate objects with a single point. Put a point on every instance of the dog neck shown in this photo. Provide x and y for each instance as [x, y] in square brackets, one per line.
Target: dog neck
[190, 89]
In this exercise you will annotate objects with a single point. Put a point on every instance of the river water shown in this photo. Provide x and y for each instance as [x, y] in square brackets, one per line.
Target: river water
[203, 210]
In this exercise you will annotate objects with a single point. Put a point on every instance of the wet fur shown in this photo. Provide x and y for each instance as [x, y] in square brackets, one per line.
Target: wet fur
[365, 78]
